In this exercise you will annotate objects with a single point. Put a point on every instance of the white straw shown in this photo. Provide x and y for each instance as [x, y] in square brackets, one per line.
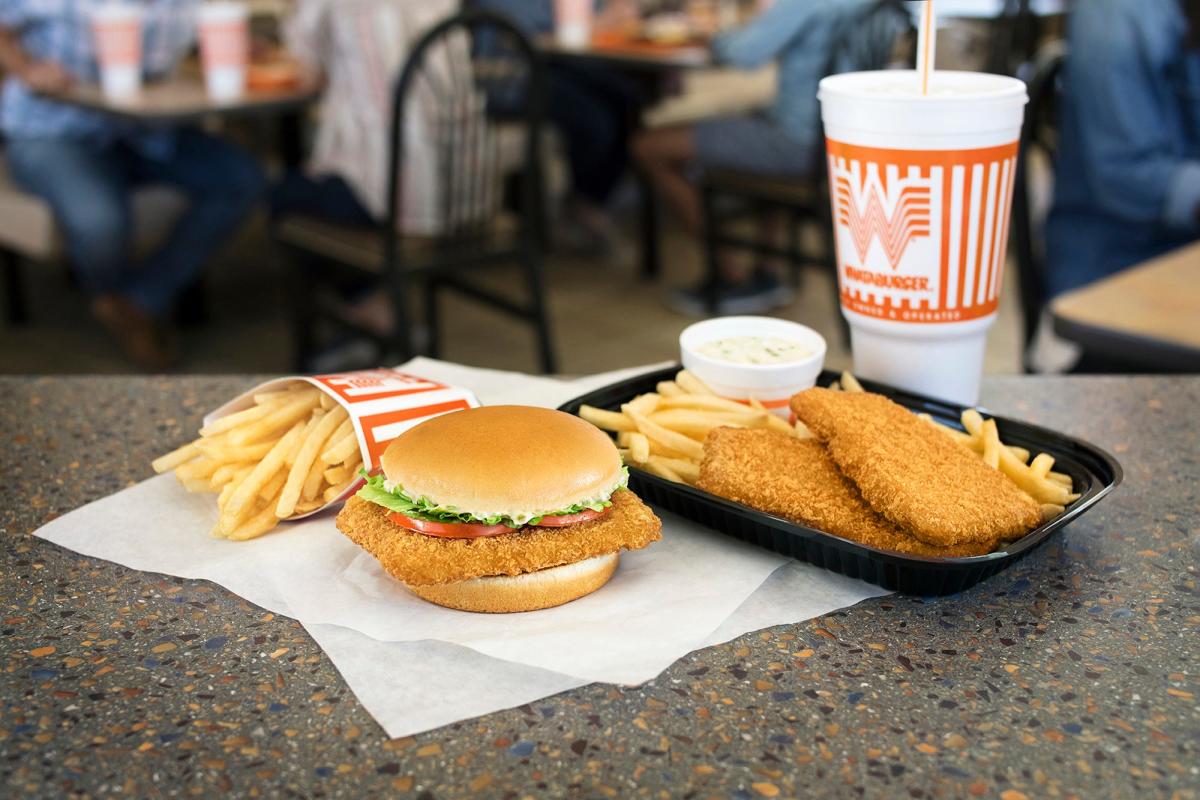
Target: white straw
[926, 44]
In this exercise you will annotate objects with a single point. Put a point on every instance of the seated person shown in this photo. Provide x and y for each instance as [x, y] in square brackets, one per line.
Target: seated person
[86, 165]
[784, 141]
[595, 108]
[362, 47]
[1127, 183]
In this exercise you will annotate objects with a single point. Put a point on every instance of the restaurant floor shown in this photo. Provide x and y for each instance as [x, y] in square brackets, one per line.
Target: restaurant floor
[604, 317]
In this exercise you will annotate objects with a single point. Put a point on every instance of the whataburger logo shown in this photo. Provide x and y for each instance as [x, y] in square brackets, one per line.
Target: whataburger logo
[872, 210]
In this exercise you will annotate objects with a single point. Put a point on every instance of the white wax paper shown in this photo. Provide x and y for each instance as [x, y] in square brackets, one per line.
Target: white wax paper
[693, 588]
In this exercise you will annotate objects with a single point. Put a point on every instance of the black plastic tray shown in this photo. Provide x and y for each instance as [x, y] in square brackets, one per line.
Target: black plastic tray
[1095, 473]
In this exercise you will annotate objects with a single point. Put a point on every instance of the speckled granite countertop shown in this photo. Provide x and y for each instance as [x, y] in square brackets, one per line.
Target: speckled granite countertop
[1075, 673]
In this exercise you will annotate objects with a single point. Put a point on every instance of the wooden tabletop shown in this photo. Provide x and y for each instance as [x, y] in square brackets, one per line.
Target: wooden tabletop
[628, 51]
[184, 98]
[1148, 313]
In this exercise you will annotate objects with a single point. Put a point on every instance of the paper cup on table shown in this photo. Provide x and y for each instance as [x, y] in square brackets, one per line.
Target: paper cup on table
[573, 22]
[921, 187]
[224, 48]
[117, 33]
[381, 403]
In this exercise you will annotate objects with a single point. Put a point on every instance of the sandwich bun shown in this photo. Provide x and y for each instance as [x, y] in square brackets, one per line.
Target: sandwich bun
[504, 460]
[527, 592]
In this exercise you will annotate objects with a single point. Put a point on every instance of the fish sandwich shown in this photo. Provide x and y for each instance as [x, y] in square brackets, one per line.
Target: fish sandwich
[498, 509]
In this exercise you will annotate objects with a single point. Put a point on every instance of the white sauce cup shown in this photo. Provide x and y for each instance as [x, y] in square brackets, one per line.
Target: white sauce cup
[770, 384]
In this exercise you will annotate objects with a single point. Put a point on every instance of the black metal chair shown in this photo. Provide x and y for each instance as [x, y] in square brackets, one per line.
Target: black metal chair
[865, 42]
[1014, 38]
[474, 73]
[1039, 141]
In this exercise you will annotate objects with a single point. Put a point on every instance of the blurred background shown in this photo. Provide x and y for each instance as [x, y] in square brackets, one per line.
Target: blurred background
[548, 185]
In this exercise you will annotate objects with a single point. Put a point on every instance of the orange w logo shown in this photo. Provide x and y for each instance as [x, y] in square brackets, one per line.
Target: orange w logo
[866, 217]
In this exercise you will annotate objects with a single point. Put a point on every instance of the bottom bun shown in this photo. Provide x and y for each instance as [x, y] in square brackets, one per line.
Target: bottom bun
[527, 592]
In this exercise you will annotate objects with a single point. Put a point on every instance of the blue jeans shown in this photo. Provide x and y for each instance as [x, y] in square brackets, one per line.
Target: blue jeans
[89, 187]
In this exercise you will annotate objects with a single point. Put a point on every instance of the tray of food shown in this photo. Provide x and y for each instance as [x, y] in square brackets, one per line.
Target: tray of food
[901, 490]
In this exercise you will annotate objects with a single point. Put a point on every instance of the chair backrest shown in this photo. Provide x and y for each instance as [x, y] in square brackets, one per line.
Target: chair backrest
[469, 80]
[1039, 152]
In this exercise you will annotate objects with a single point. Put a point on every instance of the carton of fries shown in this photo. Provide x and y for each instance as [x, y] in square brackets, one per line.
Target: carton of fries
[290, 447]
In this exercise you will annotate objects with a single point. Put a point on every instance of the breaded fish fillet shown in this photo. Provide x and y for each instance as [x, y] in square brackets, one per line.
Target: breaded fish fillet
[421, 560]
[913, 474]
[797, 480]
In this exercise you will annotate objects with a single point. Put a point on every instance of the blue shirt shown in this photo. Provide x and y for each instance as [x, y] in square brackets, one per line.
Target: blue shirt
[1127, 183]
[799, 34]
[59, 30]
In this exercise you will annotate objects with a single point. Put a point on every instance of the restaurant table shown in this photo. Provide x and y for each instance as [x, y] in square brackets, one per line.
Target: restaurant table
[651, 63]
[1074, 671]
[182, 99]
[1147, 315]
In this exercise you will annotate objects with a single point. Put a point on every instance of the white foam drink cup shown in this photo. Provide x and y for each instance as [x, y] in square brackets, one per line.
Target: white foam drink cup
[573, 22]
[117, 35]
[921, 187]
[224, 29]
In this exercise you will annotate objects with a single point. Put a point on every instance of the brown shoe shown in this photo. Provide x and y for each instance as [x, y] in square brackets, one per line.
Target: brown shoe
[135, 331]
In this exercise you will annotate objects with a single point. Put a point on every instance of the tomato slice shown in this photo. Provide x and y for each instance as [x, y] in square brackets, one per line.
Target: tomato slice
[570, 519]
[448, 530]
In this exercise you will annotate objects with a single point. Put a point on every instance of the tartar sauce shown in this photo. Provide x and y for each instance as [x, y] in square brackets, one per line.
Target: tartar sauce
[754, 350]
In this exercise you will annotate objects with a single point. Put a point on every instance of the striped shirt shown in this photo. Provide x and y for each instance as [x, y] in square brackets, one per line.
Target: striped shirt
[59, 31]
[362, 46]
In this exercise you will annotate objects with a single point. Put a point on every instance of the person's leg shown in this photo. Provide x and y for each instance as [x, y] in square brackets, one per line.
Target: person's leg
[87, 187]
[224, 184]
[324, 197]
[664, 155]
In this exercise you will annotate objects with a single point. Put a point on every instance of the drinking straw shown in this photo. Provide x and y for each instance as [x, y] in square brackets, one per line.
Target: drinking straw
[926, 44]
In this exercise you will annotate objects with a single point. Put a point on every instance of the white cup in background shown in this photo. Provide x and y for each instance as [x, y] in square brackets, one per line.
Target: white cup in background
[921, 188]
[224, 29]
[117, 34]
[573, 22]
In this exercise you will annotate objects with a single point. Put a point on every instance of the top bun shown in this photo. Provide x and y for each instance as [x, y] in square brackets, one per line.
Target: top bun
[504, 460]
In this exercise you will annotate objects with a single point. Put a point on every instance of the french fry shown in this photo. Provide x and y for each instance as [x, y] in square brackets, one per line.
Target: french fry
[1042, 490]
[228, 452]
[850, 383]
[197, 469]
[1041, 464]
[802, 431]
[331, 493]
[696, 424]
[668, 438]
[991, 444]
[663, 471]
[669, 389]
[341, 449]
[1050, 511]
[708, 403]
[232, 421]
[327, 402]
[336, 476]
[1062, 478]
[306, 454]
[273, 461]
[256, 525]
[642, 404]
[173, 459]
[689, 471]
[296, 408]
[691, 384]
[606, 420]
[835, 386]
[270, 490]
[639, 448]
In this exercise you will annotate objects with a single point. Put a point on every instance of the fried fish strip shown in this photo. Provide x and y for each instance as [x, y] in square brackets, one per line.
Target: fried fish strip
[797, 480]
[914, 475]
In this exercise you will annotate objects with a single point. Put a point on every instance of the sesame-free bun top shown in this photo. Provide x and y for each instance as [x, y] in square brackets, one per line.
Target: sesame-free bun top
[516, 461]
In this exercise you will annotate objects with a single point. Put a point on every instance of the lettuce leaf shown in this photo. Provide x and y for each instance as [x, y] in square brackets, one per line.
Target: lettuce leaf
[374, 491]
